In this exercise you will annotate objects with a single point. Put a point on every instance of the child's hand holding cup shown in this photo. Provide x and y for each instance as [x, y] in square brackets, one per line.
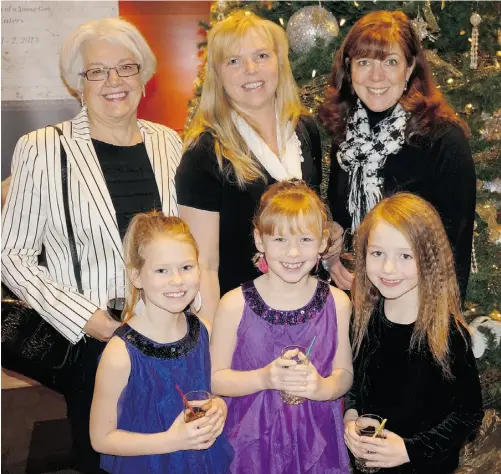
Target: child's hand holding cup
[191, 429]
[368, 425]
[297, 354]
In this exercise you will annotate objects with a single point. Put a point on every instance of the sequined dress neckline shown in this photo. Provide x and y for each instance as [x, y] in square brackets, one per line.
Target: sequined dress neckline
[169, 350]
[286, 317]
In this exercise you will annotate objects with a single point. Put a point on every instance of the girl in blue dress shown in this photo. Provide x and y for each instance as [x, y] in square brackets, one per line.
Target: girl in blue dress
[137, 417]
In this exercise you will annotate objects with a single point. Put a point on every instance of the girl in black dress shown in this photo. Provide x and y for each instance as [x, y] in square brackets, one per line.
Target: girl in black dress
[413, 360]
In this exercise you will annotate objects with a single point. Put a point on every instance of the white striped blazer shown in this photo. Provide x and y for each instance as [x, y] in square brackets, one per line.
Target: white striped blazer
[33, 215]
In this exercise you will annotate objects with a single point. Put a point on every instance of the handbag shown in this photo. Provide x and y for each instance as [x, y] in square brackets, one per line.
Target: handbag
[30, 345]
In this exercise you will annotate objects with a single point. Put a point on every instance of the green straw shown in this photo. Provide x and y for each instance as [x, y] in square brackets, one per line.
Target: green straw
[311, 346]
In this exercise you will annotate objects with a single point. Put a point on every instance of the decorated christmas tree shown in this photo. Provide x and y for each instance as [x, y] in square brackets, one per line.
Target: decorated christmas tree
[463, 44]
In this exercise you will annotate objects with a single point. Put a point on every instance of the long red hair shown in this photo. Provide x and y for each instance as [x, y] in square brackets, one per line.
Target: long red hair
[439, 298]
[372, 36]
[142, 230]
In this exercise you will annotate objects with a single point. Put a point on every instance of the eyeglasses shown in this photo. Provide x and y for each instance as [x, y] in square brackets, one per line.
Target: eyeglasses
[102, 73]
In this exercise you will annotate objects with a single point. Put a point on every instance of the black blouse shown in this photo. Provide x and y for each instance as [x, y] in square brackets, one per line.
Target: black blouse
[130, 180]
[434, 415]
[201, 184]
[442, 172]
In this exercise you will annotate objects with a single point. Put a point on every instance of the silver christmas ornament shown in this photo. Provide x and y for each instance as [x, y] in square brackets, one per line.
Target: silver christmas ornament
[309, 24]
[493, 186]
[421, 28]
[475, 20]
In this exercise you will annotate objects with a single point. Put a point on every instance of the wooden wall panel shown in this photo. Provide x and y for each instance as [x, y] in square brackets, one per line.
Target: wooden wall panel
[173, 32]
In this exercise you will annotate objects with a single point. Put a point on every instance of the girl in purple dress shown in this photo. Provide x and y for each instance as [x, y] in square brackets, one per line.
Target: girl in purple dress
[285, 306]
[137, 419]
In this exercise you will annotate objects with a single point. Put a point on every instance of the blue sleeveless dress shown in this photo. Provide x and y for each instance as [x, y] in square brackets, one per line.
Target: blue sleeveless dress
[150, 402]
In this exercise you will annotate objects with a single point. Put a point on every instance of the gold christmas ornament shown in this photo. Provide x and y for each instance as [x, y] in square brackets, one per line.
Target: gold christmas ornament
[439, 66]
[430, 17]
[490, 156]
[312, 93]
[469, 109]
[495, 315]
[488, 213]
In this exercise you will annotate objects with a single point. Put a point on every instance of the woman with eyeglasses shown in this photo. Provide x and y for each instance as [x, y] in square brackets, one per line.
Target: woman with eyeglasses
[117, 166]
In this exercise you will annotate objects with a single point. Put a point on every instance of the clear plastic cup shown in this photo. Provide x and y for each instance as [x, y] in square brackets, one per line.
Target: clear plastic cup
[367, 425]
[296, 353]
[200, 402]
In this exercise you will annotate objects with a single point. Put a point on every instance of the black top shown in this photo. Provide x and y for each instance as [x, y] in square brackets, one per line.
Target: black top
[201, 184]
[130, 180]
[442, 172]
[433, 415]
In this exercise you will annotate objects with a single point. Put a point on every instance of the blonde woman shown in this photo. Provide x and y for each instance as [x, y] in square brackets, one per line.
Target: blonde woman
[250, 130]
[117, 166]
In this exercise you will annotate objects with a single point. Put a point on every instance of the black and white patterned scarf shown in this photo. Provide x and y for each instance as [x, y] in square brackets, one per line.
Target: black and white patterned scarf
[364, 153]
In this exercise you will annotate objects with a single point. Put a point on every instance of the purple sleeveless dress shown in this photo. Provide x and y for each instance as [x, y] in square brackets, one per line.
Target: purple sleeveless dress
[269, 436]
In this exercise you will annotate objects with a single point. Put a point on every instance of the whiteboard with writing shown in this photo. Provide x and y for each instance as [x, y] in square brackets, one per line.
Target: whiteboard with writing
[32, 35]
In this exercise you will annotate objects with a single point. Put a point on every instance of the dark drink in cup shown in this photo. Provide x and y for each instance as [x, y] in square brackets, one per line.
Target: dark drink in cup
[115, 307]
[196, 404]
[116, 293]
[198, 412]
[347, 256]
[367, 425]
[369, 431]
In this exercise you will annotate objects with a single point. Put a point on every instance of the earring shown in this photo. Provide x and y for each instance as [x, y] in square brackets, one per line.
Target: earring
[144, 90]
[82, 99]
[318, 262]
[405, 87]
[197, 302]
[260, 262]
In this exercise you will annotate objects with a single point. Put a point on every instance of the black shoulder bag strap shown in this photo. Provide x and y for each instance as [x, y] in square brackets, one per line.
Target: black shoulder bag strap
[66, 191]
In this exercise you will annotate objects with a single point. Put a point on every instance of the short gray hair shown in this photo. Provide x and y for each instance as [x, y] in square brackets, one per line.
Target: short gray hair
[113, 30]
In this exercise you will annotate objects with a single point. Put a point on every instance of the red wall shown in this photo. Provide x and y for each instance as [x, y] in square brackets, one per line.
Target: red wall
[173, 32]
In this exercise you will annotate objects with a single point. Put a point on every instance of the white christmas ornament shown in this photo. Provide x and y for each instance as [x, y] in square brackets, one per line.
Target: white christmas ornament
[479, 340]
[475, 20]
[309, 24]
[493, 186]
[421, 28]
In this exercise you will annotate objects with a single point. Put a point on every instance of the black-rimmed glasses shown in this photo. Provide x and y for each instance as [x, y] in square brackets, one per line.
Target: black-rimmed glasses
[102, 73]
